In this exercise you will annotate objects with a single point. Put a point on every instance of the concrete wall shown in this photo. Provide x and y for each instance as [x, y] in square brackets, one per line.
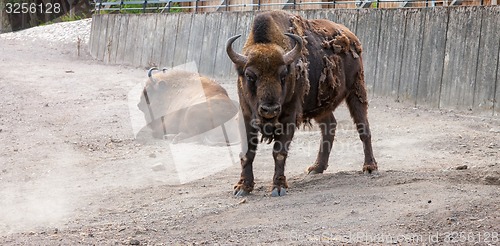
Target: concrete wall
[439, 57]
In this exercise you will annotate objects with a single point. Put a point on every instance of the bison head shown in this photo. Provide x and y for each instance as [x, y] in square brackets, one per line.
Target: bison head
[264, 76]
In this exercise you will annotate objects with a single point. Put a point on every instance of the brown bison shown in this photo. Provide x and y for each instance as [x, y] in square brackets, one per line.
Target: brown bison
[184, 104]
[293, 70]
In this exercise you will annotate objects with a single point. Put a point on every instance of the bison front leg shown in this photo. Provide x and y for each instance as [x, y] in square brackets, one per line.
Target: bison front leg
[328, 125]
[246, 183]
[280, 153]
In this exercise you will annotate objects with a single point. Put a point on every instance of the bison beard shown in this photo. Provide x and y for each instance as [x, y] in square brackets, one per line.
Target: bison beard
[293, 70]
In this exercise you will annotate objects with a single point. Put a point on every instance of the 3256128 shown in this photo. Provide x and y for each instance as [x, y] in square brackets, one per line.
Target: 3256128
[32, 8]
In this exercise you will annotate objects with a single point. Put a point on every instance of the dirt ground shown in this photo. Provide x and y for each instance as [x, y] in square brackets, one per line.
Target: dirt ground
[72, 171]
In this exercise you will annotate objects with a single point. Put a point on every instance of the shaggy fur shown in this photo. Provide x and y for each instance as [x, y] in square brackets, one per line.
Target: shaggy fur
[329, 71]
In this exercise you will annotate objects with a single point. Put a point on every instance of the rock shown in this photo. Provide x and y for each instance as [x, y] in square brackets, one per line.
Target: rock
[114, 140]
[158, 167]
[495, 130]
[462, 167]
[492, 180]
[134, 242]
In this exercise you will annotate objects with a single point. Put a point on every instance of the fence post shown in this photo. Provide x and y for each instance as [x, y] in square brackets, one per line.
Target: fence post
[227, 5]
[144, 6]
[99, 8]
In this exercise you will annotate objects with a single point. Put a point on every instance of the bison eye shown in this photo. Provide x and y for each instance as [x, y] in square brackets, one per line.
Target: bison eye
[250, 77]
[283, 75]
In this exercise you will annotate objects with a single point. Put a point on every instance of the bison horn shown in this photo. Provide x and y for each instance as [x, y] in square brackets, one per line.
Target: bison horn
[237, 58]
[150, 73]
[293, 54]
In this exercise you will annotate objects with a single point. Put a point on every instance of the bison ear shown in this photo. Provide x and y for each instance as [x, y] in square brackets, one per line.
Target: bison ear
[240, 70]
[162, 85]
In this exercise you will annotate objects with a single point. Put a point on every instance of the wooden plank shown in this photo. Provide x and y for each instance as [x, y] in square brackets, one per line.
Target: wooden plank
[121, 50]
[131, 39]
[368, 32]
[222, 61]
[149, 44]
[158, 39]
[109, 38]
[170, 35]
[182, 39]
[320, 14]
[115, 36]
[210, 37]
[142, 28]
[196, 38]
[346, 17]
[102, 37]
[461, 58]
[244, 24]
[412, 53]
[94, 35]
[488, 61]
[389, 53]
[496, 106]
[432, 58]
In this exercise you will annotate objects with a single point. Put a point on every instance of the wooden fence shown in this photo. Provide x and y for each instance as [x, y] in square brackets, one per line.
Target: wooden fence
[439, 57]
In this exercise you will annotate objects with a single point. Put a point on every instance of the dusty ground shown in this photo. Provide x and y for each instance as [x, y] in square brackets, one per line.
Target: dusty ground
[72, 173]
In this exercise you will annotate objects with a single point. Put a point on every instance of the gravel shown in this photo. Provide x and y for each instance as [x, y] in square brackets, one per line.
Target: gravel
[57, 33]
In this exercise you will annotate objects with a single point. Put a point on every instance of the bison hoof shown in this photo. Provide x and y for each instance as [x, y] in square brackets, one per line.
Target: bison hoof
[241, 193]
[278, 192]
[370, 168]
[313, 170]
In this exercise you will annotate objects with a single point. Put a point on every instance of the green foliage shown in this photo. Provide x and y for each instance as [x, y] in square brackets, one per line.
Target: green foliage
[175, 8]
[138, 8]
[67, 17]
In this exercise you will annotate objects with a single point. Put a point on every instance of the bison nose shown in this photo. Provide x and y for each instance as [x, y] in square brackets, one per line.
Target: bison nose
[269, 111]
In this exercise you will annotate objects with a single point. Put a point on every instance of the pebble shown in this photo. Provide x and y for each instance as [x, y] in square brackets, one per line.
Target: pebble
[134, 242]
[62, 32]
[495, 130]
[462, 167]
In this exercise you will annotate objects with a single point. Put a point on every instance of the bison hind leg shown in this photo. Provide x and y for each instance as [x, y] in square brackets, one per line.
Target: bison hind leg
[358, 107]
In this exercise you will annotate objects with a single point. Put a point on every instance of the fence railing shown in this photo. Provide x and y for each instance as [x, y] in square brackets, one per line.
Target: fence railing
[160, 6]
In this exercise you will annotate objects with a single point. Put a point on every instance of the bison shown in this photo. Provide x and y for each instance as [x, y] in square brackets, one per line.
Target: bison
[184, 104]
[293, 70]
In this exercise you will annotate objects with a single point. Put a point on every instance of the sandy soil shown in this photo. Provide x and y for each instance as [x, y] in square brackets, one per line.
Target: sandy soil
[72, 172]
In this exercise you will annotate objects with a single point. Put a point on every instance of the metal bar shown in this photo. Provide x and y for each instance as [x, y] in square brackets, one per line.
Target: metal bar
[258, 5]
